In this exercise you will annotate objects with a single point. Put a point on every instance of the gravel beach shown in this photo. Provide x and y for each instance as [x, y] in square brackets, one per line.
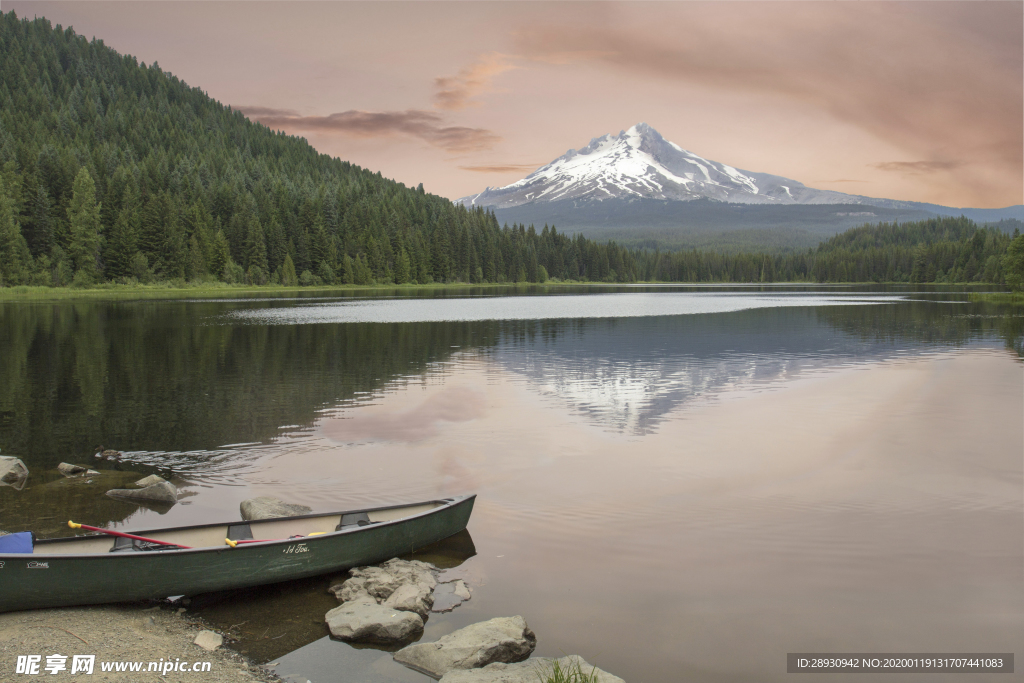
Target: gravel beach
[115, 634]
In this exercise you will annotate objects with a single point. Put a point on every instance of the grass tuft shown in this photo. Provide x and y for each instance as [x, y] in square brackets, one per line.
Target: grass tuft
[573, 673]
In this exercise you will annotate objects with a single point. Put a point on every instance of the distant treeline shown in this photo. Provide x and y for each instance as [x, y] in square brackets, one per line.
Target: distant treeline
[114, 171]
[940, 250]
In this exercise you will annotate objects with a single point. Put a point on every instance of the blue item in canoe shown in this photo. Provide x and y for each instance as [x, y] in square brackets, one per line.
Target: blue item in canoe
[20, 542]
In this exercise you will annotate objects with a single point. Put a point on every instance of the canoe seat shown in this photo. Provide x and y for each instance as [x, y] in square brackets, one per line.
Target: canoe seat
[128, 545]
[21, 542]
[354, 519]
[239, 532]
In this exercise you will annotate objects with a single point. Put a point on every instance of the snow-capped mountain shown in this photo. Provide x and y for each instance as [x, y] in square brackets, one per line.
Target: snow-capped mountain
[640, 164]
[638, 185]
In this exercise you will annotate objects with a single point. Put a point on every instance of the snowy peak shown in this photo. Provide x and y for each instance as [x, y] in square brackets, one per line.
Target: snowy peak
[639, 163]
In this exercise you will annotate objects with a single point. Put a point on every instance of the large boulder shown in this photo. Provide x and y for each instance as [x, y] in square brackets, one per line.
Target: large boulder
[13, 472]
[267, 507]
[530, 671]
[505, 639]
[163, 492]
[364, 620]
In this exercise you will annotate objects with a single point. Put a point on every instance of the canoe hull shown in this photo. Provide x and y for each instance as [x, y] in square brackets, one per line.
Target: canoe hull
[53, 580]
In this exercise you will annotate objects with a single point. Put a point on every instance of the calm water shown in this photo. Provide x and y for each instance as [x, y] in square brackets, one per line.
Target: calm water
[675, 483]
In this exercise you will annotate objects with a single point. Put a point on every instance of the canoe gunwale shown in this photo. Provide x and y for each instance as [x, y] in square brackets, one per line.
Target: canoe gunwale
[440, 505]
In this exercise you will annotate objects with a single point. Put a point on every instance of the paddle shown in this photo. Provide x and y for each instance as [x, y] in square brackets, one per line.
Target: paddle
[268, 540]
[118, 533]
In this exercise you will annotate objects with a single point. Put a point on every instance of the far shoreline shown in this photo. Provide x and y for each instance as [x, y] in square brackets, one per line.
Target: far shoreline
[172, 291]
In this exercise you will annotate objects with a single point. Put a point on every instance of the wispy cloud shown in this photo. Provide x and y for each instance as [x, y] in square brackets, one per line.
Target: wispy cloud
[917, 167]
[937, 80]
[427, 126]
[502, 168]
[457, 92]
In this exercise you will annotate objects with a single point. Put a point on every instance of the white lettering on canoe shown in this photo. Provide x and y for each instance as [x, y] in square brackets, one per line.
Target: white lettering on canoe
[1, 565]
[297, 548]
[38, 565]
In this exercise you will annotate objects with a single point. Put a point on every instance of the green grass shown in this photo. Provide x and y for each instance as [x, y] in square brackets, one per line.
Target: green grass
[1015, 298]
[573, 673]
[224, 291]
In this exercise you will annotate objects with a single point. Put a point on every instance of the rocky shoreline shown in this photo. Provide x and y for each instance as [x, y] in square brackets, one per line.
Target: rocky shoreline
[387, 605]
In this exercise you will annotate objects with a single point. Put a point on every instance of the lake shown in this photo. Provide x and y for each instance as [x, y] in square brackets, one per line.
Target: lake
[677, 483]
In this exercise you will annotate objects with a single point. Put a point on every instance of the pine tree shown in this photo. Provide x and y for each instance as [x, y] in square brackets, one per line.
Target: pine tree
[123, 243]
[15, 258]
[84, 225]
[402, 267]
[1013, 263]
[255, 246]
[220, 255]
[288, 276]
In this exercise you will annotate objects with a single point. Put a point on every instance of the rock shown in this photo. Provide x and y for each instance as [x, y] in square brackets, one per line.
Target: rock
[505, 639]
[160, 493]
[530, 671]
[412, 597]
[267, 507]
[363, 619]
[208, 640]
[382, 581]
[109, 454]
[150, 480]
[69, 470]
[461, 590]
[349, 590]
[13, 472]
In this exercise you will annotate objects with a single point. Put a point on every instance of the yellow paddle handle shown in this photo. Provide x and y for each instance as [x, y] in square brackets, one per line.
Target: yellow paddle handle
[73, 525]
[230, 542]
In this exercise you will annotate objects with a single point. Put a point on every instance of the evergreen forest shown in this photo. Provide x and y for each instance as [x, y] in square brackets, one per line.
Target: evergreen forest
[112, 170]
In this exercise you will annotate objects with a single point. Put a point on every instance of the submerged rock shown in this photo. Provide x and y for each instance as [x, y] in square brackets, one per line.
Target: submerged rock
[504, 639]
[69, 470]
[150, 480]
[163, 492]
[530, 671]
[13, 472]
[461, 590]
[268, 507]
[450, 594]
[363, 619]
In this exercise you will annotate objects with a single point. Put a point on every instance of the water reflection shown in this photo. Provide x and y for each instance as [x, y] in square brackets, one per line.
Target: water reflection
[173, 384]
[799, 478]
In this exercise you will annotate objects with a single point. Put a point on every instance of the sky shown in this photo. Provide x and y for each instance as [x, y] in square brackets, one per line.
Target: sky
[919, 101]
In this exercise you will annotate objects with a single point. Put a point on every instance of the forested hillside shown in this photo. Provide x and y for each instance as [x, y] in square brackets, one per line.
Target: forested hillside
[115, 171]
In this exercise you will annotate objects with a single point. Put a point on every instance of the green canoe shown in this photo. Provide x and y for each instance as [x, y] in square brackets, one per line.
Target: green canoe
[96, 568]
